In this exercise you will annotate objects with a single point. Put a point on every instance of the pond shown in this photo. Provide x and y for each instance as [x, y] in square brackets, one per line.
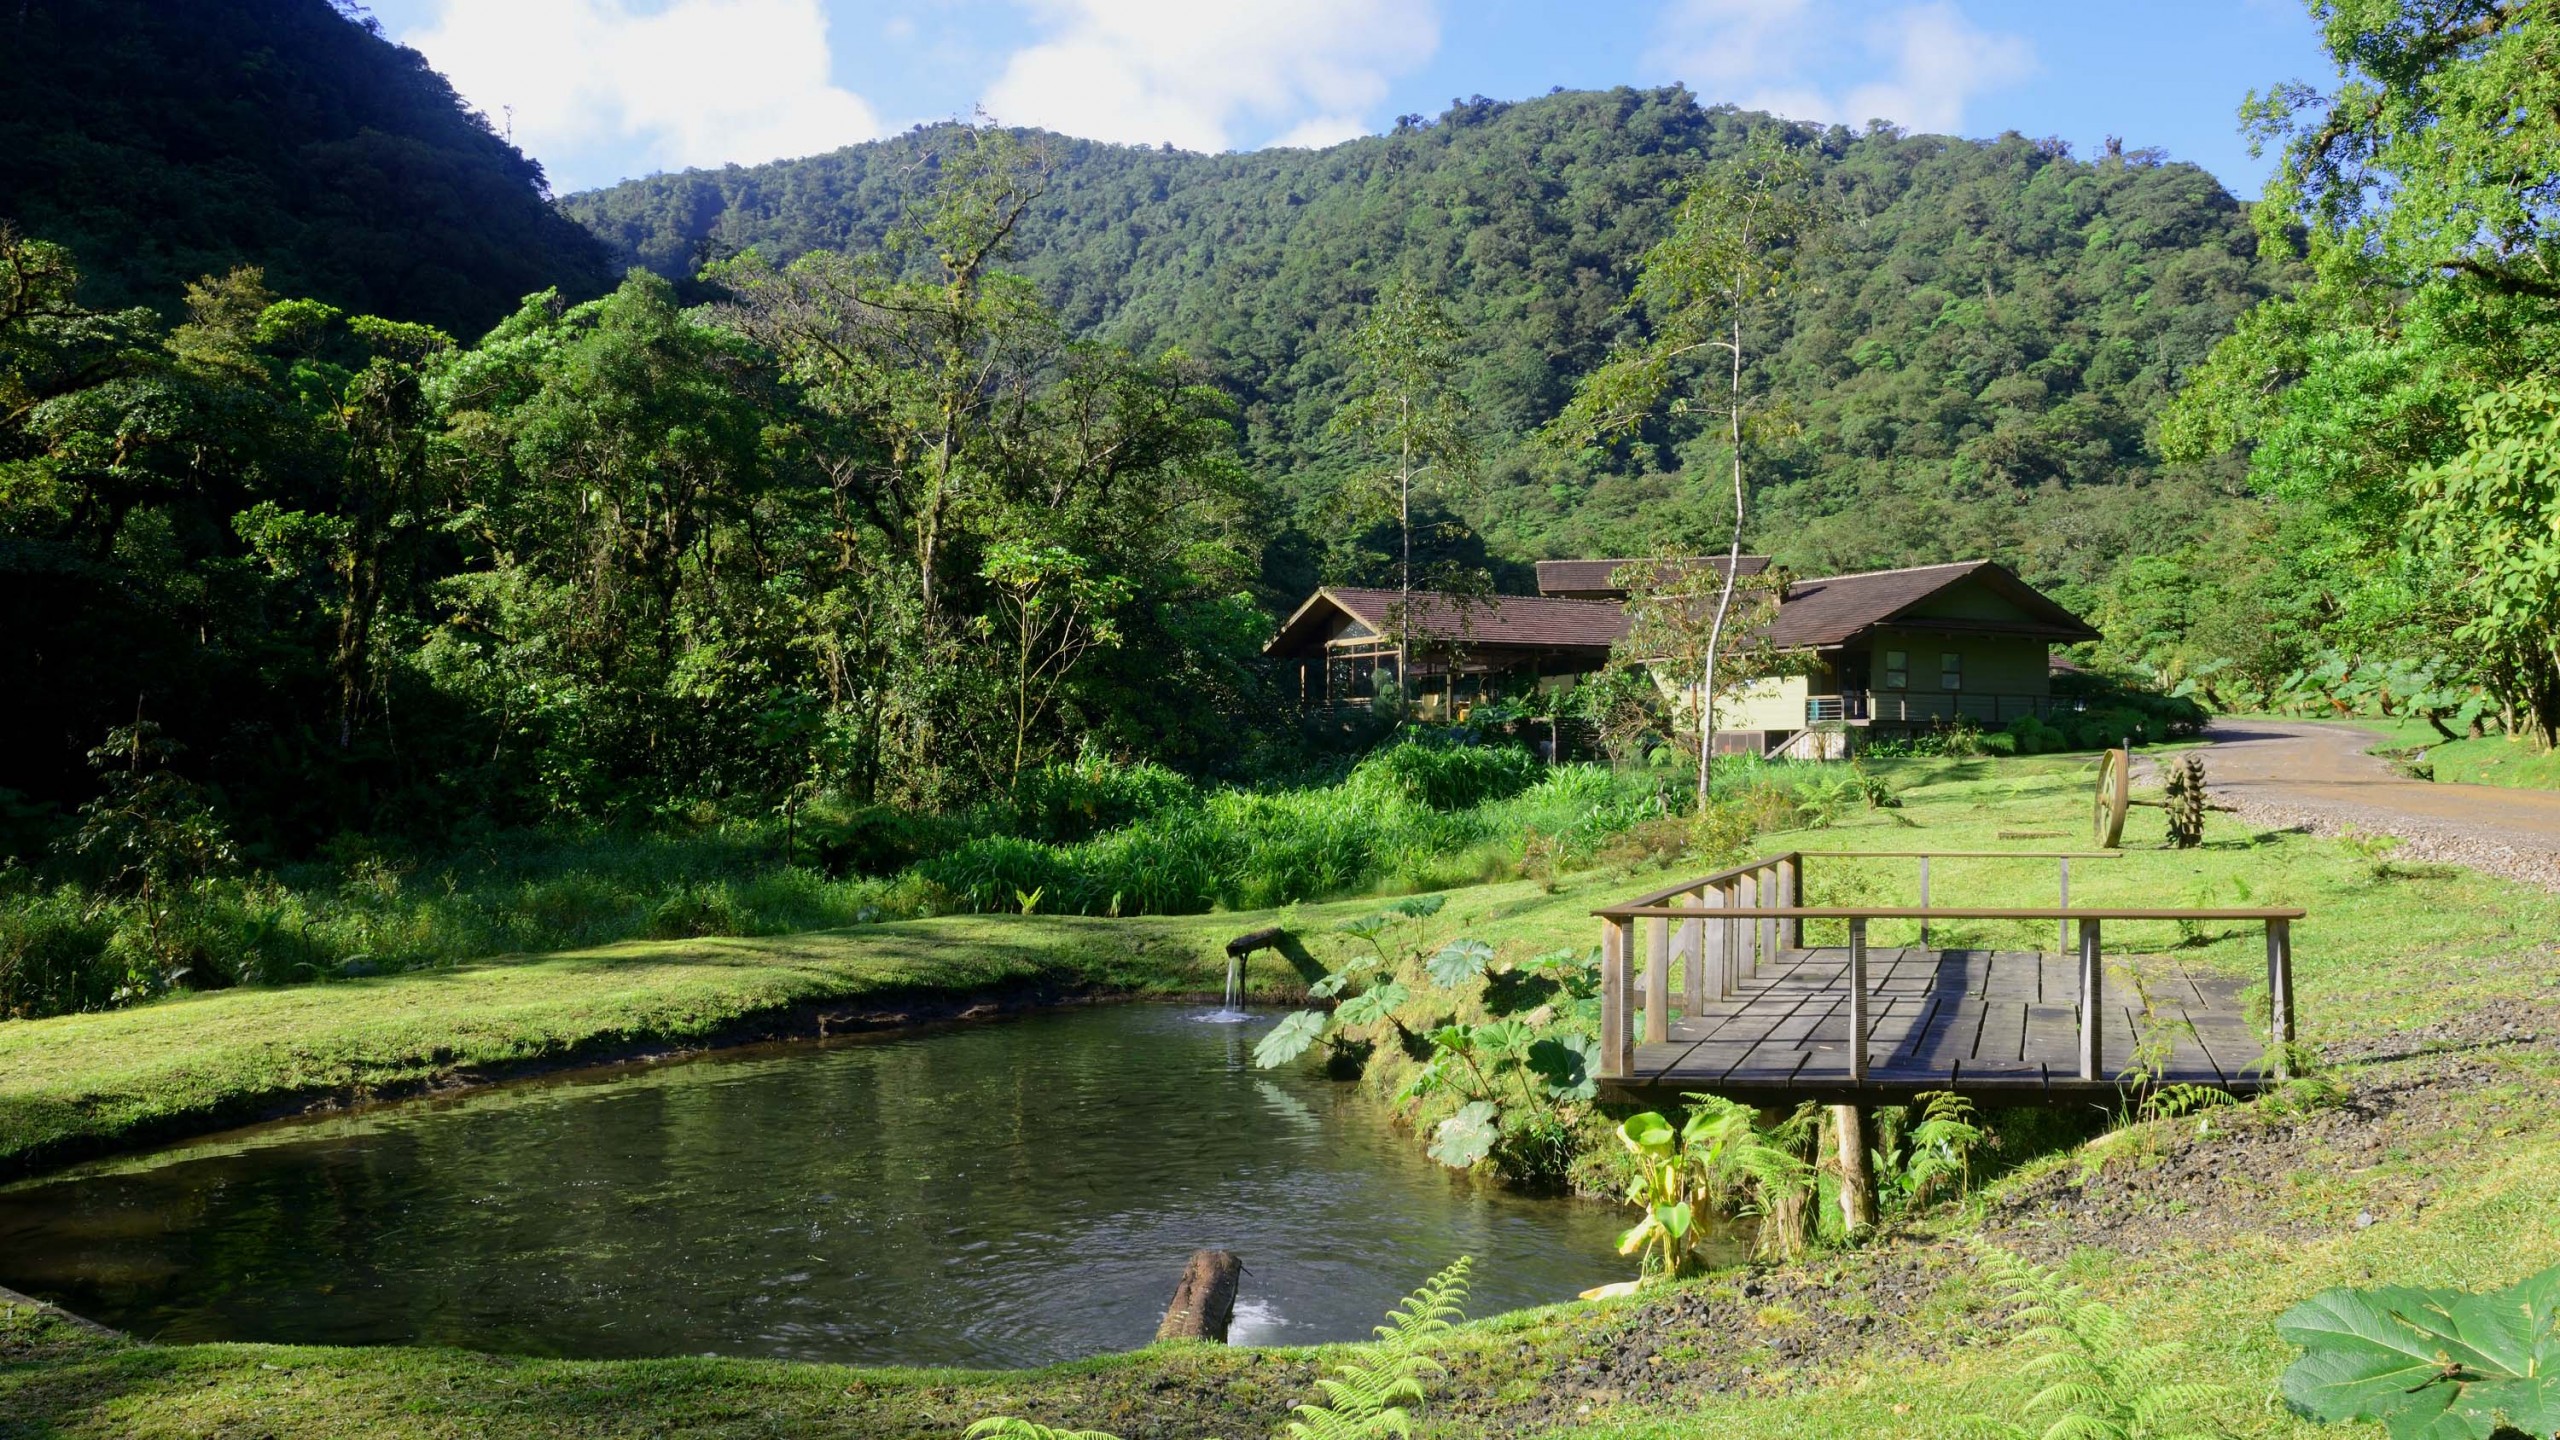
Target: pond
[1005, 1194]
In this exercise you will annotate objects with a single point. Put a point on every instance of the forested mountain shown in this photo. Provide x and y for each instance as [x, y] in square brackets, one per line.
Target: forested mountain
[162, 142]
[1970, 368]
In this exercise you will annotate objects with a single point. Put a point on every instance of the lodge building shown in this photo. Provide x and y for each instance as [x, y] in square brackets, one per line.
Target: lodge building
[1880, 651]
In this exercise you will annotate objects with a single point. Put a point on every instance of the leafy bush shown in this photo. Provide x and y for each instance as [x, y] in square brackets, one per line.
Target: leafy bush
[1449, 777]
[53, 955]
[1067, 802]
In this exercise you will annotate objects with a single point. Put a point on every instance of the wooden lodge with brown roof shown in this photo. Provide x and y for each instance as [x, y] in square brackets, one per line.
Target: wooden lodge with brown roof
[1885, 650]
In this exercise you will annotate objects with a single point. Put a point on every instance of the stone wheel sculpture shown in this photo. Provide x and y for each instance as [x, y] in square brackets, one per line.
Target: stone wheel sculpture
[2114, 797]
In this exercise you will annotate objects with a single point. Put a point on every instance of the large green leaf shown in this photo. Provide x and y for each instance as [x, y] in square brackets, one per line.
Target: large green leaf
[1289, 1039]
[1371, 1006]
[1458, 962]
[2430, 1364]
[1468, 1136]
[1569, 1064]
[1418, 907]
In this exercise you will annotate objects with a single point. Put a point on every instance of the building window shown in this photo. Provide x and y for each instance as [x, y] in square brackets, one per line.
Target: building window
[1897, 670]
[1950, 671]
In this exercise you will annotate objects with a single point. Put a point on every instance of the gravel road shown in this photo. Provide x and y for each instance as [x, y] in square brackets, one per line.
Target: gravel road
[2283, 773]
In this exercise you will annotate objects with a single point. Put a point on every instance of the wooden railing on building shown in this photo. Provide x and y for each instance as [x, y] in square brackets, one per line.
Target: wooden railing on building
[1733, 922]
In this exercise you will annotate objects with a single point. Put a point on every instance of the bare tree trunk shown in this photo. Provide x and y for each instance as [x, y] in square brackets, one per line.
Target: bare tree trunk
[1857, 1187]
[1732, 563]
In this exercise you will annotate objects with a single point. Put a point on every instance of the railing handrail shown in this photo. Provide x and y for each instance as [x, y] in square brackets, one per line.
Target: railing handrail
[1736, 872]
[1721, 876]
[1923, 912]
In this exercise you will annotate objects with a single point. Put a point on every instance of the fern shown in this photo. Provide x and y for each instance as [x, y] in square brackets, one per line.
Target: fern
[1942, 1146]
[1370, 1396]
[1005, 1427]
[1364, 1399]
[2099, 1382]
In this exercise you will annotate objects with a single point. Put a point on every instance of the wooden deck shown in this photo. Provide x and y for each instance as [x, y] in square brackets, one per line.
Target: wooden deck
[1708, 986]
[1989, 1024]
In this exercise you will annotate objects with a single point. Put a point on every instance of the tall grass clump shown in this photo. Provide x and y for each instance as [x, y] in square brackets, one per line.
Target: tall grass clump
[1090, 837]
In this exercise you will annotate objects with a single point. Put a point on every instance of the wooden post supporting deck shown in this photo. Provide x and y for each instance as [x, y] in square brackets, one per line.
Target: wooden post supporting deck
[1657, 981]
[2092, 1003]
[1857, 1001]
[2062, 927]
[2280, 992]
[1924, 900]
[1718, 939]
[1693, 953]
[1617, 1046]
[1790, 891]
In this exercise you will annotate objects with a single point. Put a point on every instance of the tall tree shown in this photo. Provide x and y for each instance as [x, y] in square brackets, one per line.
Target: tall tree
[2422, 191]
[1734, 246]
[1406, 406]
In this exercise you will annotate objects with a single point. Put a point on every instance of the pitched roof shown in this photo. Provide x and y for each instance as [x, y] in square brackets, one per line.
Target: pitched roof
[1555, 576]
[1525, 621]
[1834, 609]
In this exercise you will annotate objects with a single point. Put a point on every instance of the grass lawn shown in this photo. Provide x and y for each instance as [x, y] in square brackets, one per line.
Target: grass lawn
[2423, 983]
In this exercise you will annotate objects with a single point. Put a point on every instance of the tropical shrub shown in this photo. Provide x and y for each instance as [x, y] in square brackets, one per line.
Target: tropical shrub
[1447, 776]
[1720, 1157]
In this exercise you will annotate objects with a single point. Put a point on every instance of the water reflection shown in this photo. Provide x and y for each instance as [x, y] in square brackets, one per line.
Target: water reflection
[1008, 1194]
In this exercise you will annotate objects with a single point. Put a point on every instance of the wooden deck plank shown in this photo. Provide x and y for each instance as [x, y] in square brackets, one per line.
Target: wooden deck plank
[2001, 1025]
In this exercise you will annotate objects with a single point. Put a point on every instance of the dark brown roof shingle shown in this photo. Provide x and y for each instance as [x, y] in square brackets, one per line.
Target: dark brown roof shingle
[1527, 621]
[1556, 577]
[1832, 609]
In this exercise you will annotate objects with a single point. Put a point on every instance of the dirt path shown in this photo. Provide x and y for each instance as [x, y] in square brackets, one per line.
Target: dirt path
[2319, 775]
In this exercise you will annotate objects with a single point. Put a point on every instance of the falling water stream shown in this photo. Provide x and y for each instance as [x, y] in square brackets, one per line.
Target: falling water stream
[1003, 1194]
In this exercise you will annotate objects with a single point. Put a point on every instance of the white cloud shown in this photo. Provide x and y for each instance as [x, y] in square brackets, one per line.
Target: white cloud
[598, 89]
[1212, 74]
[1918, 66]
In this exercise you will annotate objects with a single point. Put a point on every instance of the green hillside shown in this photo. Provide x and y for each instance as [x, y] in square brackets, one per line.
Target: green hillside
[161, 142]
[1971, 370]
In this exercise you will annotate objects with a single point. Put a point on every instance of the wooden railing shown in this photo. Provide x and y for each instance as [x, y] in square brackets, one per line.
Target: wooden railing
[1735, 920]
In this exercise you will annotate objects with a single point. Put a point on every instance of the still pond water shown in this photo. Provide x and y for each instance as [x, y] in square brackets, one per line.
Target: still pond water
[1000, 1195]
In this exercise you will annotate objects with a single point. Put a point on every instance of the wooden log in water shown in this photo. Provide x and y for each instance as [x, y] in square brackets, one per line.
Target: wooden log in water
[1253, 940]
[1204, 1304]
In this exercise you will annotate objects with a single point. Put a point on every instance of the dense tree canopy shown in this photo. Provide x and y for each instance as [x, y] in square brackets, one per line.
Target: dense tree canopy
[161, 142]
[1976, 357]
[2394, 411]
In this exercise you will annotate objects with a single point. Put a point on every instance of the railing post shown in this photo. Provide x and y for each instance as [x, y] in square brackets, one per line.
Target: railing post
[1767, 925]
[1791, 885]
[1924, 901]
[1746, 889]
[1857, 1000]
[1657, 980]
[1693, 951]
[2280, 993]
[2092, 1002]
[1717, 942]
[1616, 1061]
[2062, 927]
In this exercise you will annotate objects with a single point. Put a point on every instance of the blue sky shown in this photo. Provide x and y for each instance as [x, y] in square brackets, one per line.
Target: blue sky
[600, 90]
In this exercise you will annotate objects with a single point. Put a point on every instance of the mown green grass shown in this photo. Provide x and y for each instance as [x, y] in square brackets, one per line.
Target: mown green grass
[2381, 953]
[2490, 760]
